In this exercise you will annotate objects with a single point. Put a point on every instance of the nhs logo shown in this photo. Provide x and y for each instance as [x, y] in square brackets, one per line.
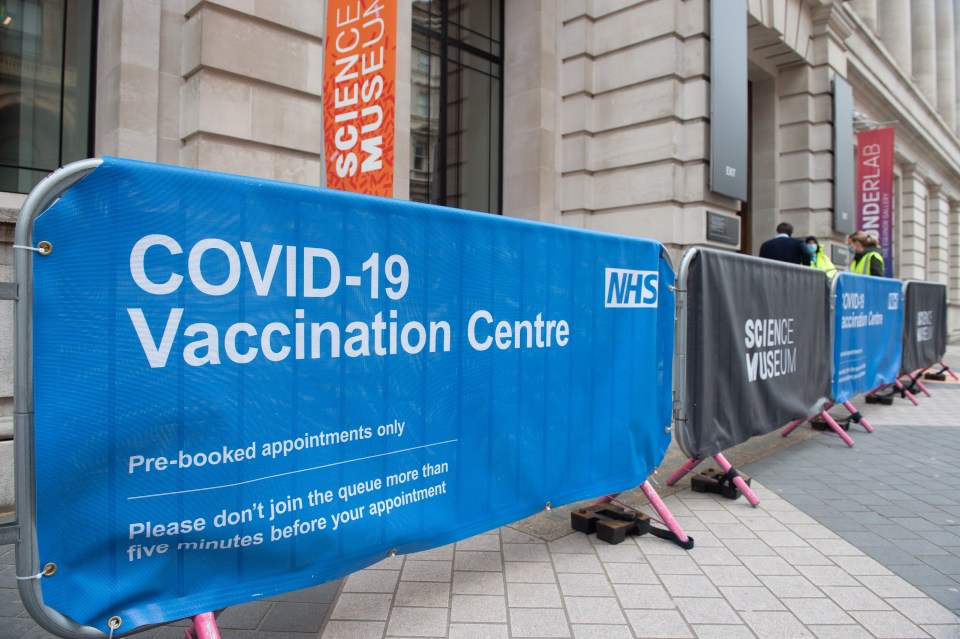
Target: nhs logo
[893, 301]
[630, 289]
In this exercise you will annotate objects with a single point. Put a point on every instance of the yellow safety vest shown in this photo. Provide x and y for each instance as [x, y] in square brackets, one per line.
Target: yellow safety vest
[863, 266]
[823, 263]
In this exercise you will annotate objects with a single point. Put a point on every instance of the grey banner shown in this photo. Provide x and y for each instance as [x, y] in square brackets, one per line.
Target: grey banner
[754, 346]
[924, 324]
[844, 207]
[728, 98]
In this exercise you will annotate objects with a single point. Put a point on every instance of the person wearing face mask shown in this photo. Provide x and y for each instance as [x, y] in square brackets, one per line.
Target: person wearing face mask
[867, 259]
[819, 259]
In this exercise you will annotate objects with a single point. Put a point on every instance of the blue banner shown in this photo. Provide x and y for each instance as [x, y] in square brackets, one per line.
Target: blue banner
[867, 325]
[244, 387]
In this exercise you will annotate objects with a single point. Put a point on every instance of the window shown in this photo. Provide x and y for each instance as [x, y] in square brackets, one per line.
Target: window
[46, 87]
[457, 111]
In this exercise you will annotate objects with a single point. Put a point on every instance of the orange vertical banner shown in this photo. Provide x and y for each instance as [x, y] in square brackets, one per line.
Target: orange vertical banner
[359, 95]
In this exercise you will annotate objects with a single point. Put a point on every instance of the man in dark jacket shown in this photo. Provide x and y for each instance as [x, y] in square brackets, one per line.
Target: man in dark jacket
[785, 248]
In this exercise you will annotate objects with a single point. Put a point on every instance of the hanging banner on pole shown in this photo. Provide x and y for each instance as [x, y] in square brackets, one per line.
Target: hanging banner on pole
[875, 189]
[359, 95]
[253, 387]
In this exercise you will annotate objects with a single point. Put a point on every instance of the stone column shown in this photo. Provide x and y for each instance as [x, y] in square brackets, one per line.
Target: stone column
[913, 233]
[956, 59]
[923, 38]
[938, 239]
[954, 260]
[894, 29]
[867, 10]
[946, 63]
[128, 67]
[530, 103]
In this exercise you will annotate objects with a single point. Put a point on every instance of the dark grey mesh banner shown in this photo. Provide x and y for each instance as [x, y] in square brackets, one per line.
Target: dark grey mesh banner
[924, 324]
[757, 348]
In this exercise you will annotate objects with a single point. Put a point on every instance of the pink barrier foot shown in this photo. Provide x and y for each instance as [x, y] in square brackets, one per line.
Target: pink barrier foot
[922, 387]
[855, 416]
[665, 516]
[789, 428]
[836, 428]
[900, 387]
[687, 466]
[737, 480]
[946, 369]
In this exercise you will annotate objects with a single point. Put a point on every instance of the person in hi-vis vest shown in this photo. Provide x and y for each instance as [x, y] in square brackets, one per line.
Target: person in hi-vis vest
[819, 259]
[867, 259]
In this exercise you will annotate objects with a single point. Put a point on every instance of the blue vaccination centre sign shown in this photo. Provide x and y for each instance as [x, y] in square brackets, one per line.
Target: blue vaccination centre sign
[244, 387]
[867, 338]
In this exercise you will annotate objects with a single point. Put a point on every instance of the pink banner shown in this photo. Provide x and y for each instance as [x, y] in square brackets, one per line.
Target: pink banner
[875, 189]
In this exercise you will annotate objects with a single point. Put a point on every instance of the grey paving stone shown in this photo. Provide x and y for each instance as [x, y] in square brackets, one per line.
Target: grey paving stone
[586, 585]
[485, 542]
[478, 630]
[795, 586]
[775, 565]
[481, 561]
[827, 576]
[533, 596]
[747, 598]
[601, 632]
[630, 574]
[295, 617]
[538, 623]
[890, 586]
[526, 552]
[324, 593]
[354, 629]
[817, 611]
[245, 617]
[776, 625]
[840, 632]
[422, 594]
[674, 565]
[707, 611]
[925, 611]
[478, 609]
[529, 572]
[644, 596]
[597, 610]
[417, 622]
[382, 581]
[356, 606]
[885, 624]
[622, 553]
[689, 586]
[659, 624]
[731, 576]
[443, 553]
[478, 583]
[577, 563]
[415, 570]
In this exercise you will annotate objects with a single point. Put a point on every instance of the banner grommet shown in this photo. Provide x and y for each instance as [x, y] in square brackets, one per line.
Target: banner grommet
[49, 569]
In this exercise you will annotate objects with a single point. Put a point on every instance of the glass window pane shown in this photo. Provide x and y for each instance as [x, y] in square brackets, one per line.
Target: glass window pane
[459, 142]
[46, 48]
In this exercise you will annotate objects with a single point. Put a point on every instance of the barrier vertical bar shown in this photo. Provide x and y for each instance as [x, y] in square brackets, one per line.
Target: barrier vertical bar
[204, 626]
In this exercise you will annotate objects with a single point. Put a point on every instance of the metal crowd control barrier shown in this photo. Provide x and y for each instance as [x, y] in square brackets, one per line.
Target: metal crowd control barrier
[752, 336]
[924, 334]
[228, 388]
[866, 347]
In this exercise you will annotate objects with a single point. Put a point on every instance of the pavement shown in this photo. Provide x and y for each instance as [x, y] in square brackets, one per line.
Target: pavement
[846, 543]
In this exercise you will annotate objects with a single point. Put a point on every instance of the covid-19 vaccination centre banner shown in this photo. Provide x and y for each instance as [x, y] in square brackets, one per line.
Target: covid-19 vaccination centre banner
[244, 387]
[924, 324]
[867, 329]
[754, 337]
